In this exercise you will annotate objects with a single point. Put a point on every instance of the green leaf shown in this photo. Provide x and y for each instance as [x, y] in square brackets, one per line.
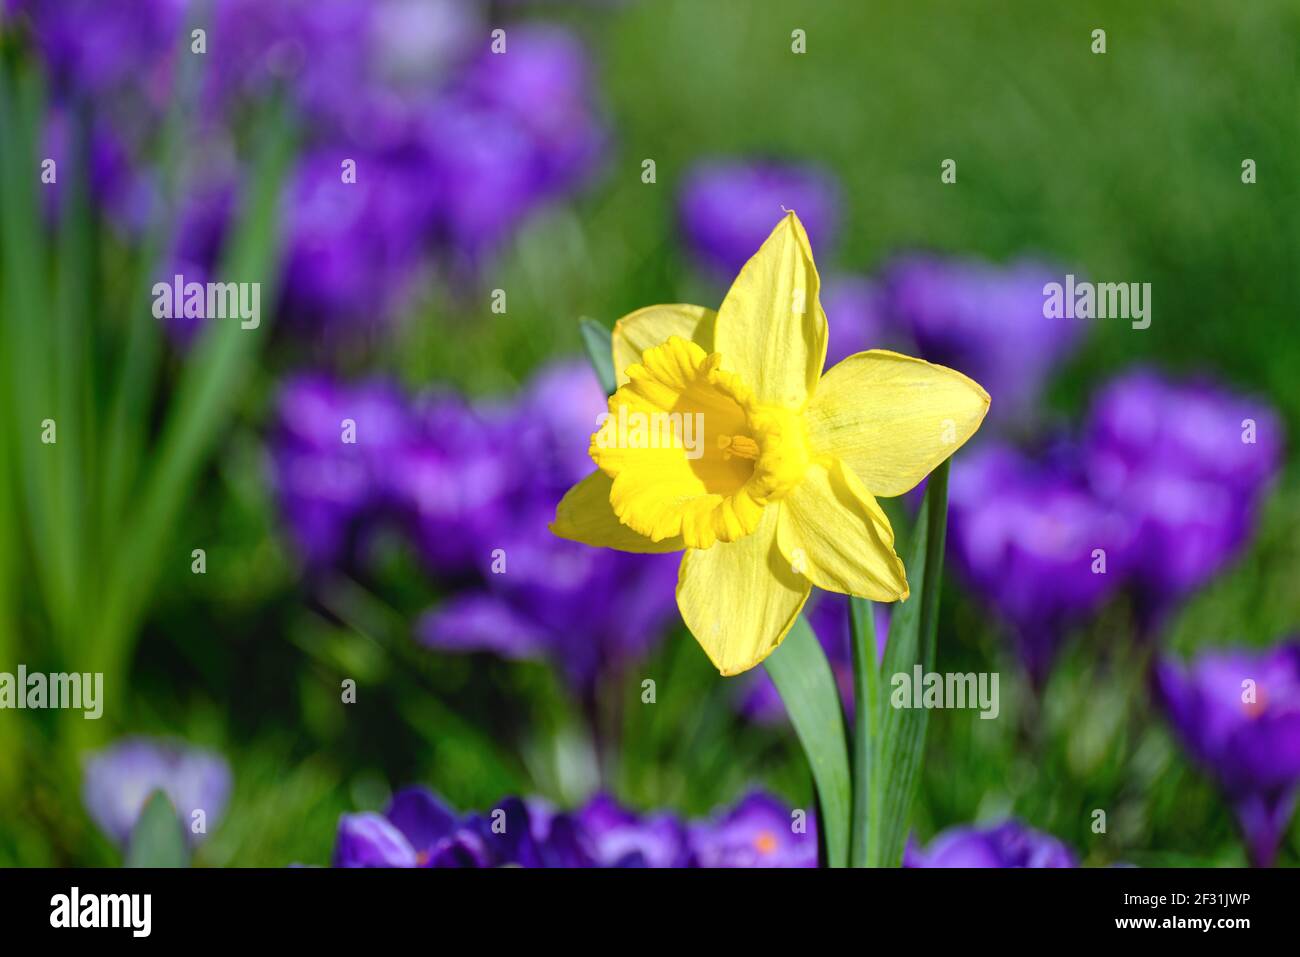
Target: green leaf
[912, 631]
[867, 781]
[596, 340]
[158, 839]
[807, 687]
[201, 406]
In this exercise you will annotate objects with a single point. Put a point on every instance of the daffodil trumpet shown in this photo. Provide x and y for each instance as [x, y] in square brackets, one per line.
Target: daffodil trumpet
[782, 494]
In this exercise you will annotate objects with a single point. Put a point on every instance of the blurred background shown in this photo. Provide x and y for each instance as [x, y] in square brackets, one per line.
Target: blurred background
[432, 194]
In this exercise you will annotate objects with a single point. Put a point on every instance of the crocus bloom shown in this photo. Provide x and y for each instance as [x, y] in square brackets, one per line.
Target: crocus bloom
[481, 508]
[418, 830]
[1009, 844]
[758, 832]
[119, 780]
[855, 317]
[776, 491]
[333, 444]
[619, 838]
[1238, 713]
[1188, 463]
[984, 320]
[727, 206]
[1031, 538]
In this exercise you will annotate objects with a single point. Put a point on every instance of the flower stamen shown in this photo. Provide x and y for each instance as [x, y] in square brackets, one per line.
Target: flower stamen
[740, 446]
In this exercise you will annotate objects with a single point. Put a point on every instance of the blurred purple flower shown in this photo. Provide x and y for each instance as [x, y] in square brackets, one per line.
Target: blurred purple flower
[417, 830]
[352, 248]
[984, 320]
[115, 185]
[327, 475]
[1026, 537]
[454, 146]
[619, 838]
[538, 595]
[1009, 844]
[543, 81]
[1188, 464]
[92, 49]
[119, 779]
[515, 130]
[760, 831]
[855, 317]
[728, 207]
[1238, 714]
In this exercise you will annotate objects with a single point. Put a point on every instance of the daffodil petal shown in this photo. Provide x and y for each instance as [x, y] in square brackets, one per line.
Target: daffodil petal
[641, 330]
[585, 515]
[892, 418]
[831, 530]
[674, 396]
[771, 329]
[740, 598]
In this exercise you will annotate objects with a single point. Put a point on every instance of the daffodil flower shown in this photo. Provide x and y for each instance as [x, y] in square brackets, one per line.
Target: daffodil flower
[778, 493]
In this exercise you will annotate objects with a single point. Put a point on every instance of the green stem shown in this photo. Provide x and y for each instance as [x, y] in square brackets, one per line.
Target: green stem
[866, 694]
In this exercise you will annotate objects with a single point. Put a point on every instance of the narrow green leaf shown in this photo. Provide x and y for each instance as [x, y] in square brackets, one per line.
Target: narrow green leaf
[202, 405]
[158, 839]
[596, 340]
[803, 677]
[867, 781]
[912, 631]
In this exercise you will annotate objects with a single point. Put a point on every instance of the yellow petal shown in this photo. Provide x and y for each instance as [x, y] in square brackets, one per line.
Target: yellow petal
[585, 515]
[831, 530]
[892, 418]
[771, 329]
[641, 330]
[665, 444]
[740, 598]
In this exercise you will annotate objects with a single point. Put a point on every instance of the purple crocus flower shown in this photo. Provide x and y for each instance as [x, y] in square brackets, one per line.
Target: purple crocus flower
[118, 781]
[1036, 544]
[854, 307]
[330, 453]
[543, 80]
[1188, 463]
[619, 838]
[352, 248]
[93, 49]
[759, 831]
[1238, 714]
[418, 830]
[536, 595]
[517, 129]
[405, 835]
[984, 320]
[728, 207]
[1009, 844]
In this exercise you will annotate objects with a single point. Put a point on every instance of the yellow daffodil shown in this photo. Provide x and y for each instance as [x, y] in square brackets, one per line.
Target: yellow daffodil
[724, 440]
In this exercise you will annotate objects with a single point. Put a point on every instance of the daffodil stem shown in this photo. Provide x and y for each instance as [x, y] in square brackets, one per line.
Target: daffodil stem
[866, 693]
